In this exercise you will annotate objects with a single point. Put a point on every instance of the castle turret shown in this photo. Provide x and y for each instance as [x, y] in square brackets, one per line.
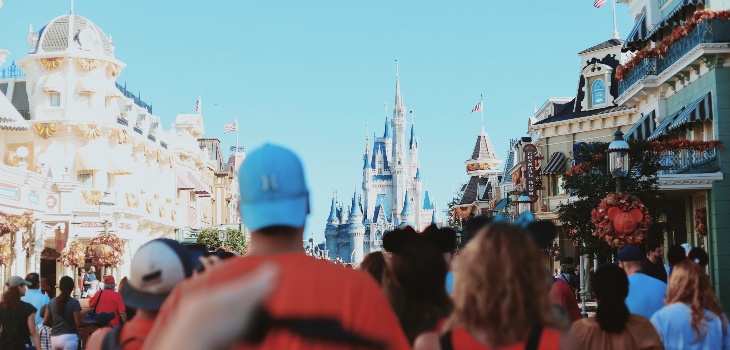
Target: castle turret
[407, 215]
[356, 230]
[398, 169]
[331, 230]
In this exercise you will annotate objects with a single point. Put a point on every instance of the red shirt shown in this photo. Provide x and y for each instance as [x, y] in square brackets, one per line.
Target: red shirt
[111, 301]
[306, 287]
[561, 294]
[461, 339]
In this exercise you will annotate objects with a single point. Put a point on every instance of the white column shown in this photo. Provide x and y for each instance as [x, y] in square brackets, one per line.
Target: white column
[19, 261]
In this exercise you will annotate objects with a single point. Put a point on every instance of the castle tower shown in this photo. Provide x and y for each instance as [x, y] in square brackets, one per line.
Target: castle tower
[399, 167]
[331, 230]
[407, 213]
[356, 231]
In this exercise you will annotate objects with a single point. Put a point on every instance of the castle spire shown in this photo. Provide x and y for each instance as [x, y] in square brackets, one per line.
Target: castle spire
[399, 109]
[413, 142]
[333, 210]
[386, 133]
[367, 148]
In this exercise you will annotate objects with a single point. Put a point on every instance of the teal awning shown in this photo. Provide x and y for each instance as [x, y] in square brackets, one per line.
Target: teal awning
[501, 204]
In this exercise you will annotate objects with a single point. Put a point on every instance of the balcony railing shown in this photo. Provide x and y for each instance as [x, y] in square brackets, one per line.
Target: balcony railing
[688, 161]
[646, 67]
[137, 99]
[707, 31]
[122, 121]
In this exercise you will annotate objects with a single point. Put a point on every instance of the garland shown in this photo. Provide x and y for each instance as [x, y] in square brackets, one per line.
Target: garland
[108, 249]
[701, 221]
[74, 254]
[6, 250]
[678, 145]
[677, 34]
[605, 227]
[10, 223]
[50, 254]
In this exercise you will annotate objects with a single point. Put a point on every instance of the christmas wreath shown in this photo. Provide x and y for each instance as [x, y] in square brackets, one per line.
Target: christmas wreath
[50, 254]
[701, 221]
[74, 254]
[621, 220]
[108, 249]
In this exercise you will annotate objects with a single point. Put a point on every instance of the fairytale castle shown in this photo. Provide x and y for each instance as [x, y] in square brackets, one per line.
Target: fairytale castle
[392, 193]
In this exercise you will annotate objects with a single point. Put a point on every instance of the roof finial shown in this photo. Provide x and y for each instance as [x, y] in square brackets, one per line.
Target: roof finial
[398, 108]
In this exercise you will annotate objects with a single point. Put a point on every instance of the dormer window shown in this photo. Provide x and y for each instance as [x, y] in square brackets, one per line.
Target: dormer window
[55, 98]
[598, 93]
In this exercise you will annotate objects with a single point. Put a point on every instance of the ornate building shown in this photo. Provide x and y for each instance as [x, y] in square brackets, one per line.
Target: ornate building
[392, 197]
[72, 137]
[478, 195]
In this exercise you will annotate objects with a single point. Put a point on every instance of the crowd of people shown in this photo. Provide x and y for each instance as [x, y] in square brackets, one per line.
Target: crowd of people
[420, 292]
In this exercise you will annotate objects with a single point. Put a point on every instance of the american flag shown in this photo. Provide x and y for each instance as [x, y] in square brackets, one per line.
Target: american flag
[477, 108]
[197, 105]
[599, 3]
[230, 127]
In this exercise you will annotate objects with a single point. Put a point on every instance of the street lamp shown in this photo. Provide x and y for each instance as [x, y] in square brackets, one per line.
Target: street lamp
[106, 209]
[618, 160]
[74, 224]
[524, 202]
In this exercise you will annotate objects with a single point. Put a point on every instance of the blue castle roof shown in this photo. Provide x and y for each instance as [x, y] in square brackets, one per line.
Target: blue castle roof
[379, 146]
[433, 218]
[356, 207]
[413, 136]
[381, 204]
[418, 173]
[386, 133]
[333, 210]
[427, 204]
[407, 209]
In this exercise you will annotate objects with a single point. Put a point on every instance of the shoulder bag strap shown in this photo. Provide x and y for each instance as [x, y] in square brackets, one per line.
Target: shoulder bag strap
[445, 341]
[533, 342]
[98, 300]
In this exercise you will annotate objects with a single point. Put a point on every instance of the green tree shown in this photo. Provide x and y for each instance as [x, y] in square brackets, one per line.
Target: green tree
[590, 182]
[235, 240]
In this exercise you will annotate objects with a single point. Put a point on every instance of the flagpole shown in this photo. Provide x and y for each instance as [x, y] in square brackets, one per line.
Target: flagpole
[481, 102]
[236, 154]
[615, 31]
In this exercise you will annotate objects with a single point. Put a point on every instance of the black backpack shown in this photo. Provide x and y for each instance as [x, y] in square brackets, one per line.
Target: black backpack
[111, 339]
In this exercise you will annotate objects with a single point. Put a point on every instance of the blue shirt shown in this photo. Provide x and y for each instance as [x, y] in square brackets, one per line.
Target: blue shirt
[36, 298]
[646, 295]
[450, 282]
[673, 323]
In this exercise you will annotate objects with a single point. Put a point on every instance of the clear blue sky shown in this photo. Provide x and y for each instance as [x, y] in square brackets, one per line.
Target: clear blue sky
[311, 74]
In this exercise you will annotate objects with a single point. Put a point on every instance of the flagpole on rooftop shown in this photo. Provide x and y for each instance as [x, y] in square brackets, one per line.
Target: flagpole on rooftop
[615, 31]
[236, 121]
[481, 101]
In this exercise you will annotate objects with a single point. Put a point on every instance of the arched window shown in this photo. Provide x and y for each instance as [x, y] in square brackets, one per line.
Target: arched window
[598, 92]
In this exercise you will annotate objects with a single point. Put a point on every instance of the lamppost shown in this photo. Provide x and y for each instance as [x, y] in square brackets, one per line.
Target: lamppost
[222, 235]
[523, 202]
[618, 160]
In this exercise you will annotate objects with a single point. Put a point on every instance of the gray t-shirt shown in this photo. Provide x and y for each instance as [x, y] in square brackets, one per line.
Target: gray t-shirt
[61, 323]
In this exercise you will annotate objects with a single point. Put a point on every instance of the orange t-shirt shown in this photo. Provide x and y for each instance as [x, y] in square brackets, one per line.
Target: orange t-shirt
[306, 287]
[133, 335]
[461, 339]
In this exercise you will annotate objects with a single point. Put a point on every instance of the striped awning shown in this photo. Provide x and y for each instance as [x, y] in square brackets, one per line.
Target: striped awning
[699, 110]
[182, 181]
[10, 119]
[199, 187]
[637, 36]
[643, 128]
[556, 164]
[675, 17]
[661, 129]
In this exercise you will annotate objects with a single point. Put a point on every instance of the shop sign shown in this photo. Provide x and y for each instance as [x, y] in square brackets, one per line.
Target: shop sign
[530, 174]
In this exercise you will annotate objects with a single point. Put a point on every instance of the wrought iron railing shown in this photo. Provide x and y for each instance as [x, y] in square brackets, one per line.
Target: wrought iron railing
[12, 72]
[688, 161]
[707, 31]
[163, 144]
[137, 130]
[151, 138]
[122, 121]
[646, 67]
[137, 99]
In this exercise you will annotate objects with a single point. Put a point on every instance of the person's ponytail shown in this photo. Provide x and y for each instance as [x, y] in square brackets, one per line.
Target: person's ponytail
[66, 285]
[612, 315]
[611, 287]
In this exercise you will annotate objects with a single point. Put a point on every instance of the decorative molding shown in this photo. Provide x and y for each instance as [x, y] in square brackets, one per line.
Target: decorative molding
[132, 200]
[161, 211]
[123, 137]
[92, 197]
[90, 132]
[148, 207]
[52, 63]
[88, 64]
[113, 70]
[173, 215]
[45, 130]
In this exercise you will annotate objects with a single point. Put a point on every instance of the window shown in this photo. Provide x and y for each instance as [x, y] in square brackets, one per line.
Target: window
[557, 186]
[85, 99]
[598, 92]
[55, 99]
[86, 179]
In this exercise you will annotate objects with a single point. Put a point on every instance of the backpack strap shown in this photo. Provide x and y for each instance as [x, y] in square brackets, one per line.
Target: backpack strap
[533, 342]
[445, 341]
[112, 339]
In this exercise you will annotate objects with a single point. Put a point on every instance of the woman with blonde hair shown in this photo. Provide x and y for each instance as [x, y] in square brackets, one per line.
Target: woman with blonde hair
[692, 317]
[500, 297]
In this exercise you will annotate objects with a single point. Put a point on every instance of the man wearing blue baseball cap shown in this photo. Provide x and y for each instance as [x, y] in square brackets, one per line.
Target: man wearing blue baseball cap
[315, 304]
[646, 294]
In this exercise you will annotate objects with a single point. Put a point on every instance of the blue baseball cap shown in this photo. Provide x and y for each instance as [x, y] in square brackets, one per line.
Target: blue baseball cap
[273, 190]
[630, 253]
